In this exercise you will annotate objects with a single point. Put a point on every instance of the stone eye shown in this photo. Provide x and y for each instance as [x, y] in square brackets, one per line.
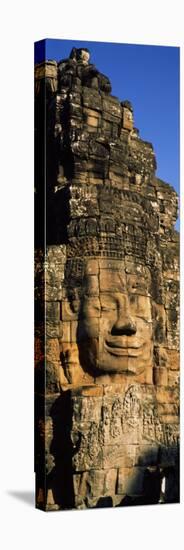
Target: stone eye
[109, 307]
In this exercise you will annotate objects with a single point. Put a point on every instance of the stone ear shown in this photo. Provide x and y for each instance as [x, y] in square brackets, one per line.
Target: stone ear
[159, 322]
[70, 307]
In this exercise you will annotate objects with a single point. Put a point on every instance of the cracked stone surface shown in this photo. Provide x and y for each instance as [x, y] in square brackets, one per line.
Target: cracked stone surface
[106, 300]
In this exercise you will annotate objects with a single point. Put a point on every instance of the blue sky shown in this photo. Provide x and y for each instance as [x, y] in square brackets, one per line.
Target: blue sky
[148, 76]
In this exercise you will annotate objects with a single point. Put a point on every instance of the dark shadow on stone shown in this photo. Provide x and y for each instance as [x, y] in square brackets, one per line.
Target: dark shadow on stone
[157, 463]
[60, 478]
[126, 501]
[167, 466]
[57, 216]
[136, 501]
[28, 497]
[104, 502]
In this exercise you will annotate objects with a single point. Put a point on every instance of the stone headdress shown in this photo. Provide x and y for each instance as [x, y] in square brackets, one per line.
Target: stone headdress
[103, 198]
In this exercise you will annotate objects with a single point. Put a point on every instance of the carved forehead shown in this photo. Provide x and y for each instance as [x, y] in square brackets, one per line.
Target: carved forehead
[117, 268]
[78, 268]
[114, 276]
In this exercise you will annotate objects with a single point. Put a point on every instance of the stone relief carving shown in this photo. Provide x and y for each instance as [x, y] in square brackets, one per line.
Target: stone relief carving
[130, 416]
[114, 315]
[110, 281]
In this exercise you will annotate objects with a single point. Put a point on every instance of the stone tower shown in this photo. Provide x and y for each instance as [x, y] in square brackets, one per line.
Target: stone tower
[106, 299]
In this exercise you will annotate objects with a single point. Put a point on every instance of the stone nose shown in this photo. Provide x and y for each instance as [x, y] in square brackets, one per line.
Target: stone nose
[124, 324]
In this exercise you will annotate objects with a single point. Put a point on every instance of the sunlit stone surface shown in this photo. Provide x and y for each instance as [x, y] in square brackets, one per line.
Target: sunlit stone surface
[106, 300]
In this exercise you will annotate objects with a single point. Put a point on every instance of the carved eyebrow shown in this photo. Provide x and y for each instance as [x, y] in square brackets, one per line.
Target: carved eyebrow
[138, 282]
[107, 294]
[111, 298]
[107, 300]
[115, 286]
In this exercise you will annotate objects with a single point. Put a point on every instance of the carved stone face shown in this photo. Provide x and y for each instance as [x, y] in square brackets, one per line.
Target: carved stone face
[116, 319]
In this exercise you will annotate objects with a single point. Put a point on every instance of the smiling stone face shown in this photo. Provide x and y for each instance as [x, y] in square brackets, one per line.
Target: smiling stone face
[115, 318]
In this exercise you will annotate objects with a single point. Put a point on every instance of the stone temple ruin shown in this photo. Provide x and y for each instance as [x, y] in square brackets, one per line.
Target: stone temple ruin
[106, 300]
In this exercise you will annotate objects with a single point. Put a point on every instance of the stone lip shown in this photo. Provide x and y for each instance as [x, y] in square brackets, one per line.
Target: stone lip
[117, 348]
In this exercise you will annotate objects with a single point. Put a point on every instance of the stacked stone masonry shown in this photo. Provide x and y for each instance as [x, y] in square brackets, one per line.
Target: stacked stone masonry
[106, 302]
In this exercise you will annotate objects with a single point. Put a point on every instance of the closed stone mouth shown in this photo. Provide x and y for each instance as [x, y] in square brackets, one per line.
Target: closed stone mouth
[119, 344]
[118, 348]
